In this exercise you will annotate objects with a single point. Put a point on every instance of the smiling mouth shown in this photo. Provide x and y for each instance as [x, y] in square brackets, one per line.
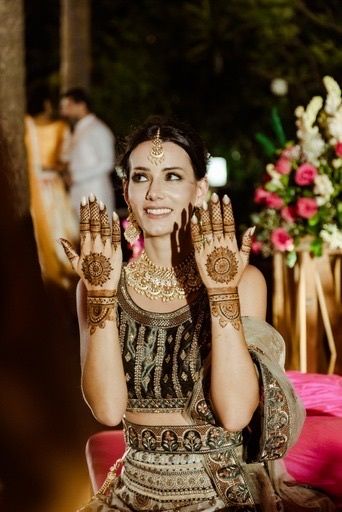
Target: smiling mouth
[158, 211]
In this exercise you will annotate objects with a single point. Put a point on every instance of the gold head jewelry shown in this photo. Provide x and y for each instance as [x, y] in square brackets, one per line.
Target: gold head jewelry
[163, 283]
[157, 151]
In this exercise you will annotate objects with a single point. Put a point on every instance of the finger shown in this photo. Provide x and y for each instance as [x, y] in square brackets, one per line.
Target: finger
[205, 223]
[84, 219]
[196, 234]
[228, 218]
[246, 245]
[95, 224]
[216, 216]
[116, 231]
[104, 222]
[70, 252]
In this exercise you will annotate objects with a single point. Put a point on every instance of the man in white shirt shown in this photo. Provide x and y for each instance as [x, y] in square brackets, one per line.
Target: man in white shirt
[90, 152]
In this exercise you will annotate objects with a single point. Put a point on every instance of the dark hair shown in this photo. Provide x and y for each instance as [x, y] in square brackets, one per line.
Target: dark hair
[170, 131]
[36, 98]
[78, 95]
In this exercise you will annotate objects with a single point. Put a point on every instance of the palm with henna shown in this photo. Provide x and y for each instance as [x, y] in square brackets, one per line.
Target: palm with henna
[100, 260]
[220, 261]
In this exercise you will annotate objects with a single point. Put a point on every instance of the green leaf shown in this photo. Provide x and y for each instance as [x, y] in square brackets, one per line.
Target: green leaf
[278, 127]
[316, 247]
[266, 143]
[291, 259]
[314, 220]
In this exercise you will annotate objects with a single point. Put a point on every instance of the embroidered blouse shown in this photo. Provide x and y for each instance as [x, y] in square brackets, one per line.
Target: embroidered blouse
[162, 353]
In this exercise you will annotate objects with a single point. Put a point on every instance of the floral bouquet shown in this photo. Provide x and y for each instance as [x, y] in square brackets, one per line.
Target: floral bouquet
[300, 198]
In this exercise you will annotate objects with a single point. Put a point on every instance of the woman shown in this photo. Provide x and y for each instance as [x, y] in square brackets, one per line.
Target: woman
[51, 210]
[175, 343]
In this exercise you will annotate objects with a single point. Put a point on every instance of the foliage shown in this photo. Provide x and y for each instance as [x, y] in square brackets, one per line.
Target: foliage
[301, 196]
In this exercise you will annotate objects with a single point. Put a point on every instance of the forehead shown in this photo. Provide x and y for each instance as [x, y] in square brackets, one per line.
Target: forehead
[67, 102]
[174, 156]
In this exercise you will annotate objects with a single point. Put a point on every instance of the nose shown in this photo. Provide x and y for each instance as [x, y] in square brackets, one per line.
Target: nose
[155, 191]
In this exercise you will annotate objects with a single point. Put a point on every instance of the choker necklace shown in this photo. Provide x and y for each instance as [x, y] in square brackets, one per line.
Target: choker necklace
[163, 283]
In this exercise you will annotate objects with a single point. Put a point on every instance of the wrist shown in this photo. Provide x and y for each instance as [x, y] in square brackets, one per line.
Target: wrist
[225, 306]
[101, 305]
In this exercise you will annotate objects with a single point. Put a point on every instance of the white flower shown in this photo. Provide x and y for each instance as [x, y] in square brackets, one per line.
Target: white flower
[323, 185]
[332, 235]
[335, 125]
[333, 100]
[311, 140]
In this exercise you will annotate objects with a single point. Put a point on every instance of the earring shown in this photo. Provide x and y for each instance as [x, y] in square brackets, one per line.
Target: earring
[132, 231]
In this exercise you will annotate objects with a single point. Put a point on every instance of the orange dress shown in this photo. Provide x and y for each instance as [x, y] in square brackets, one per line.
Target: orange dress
[51, 211]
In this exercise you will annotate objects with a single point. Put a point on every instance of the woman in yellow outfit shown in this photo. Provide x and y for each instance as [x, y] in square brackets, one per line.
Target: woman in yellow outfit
[52, 214]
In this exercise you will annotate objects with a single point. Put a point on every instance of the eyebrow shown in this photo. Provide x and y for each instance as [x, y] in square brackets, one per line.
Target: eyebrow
[165, 169]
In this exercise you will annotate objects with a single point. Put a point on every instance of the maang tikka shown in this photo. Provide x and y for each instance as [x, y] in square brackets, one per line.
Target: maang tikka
[157, 152]
[132, 231]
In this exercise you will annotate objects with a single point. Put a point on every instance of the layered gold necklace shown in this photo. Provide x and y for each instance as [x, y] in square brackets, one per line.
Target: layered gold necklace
[163, 283]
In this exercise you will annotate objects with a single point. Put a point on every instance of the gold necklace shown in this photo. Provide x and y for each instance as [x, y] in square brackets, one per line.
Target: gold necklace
[163, 283]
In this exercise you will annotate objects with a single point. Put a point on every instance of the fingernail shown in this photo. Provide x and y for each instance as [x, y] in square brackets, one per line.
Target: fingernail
[194, 219]
[205, 205]
[115, 216]
[101, 205]
[251, 231]
[84, 201]
[214, 197]
[225, 199]
[91, 197]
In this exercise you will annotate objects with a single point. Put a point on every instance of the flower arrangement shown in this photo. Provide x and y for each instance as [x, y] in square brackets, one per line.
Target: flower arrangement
[300, 198]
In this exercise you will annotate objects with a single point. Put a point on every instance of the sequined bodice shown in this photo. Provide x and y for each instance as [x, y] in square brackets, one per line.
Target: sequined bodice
[162, 353]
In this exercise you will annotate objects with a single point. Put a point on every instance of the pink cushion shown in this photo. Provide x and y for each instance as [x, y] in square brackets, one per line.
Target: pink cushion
[321, 394]
[102, 450]
[316, 458]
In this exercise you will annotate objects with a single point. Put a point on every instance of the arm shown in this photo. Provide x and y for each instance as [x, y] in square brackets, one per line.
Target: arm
[234, 387]
[99, 267]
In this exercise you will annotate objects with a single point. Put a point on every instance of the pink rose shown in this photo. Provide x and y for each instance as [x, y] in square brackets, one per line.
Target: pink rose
[260, 195]
[283, 165]
[306, 207]
[289, 213]
[338, 149]
[281, 240]
[274, 201]
[256, 246]
[305, 174]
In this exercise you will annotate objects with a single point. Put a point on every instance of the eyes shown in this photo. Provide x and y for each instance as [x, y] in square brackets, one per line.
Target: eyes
[140, 177]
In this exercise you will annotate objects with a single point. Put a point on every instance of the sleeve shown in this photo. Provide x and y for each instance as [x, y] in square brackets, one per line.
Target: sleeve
[278, 420]
[96, 155]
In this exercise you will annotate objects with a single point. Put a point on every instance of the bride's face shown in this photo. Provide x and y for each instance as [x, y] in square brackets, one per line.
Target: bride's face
[163, 195]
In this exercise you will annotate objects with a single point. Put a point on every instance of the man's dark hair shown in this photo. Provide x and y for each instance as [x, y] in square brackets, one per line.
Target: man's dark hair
[78, 95]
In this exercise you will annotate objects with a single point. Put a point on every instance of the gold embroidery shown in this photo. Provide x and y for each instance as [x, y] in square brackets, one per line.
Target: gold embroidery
[138, 362]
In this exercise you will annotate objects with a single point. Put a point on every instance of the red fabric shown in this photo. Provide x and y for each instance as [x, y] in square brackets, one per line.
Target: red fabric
[102, 450]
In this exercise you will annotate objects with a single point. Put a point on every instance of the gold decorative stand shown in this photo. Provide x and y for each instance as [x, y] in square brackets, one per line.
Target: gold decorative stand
[307, 309]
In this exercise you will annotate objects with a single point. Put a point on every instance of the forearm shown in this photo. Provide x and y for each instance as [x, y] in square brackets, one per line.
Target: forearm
[103, 379]
[234, 382]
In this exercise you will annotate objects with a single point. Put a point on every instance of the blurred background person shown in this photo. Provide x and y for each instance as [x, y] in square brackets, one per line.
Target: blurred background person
[46, 139]
[91, 152]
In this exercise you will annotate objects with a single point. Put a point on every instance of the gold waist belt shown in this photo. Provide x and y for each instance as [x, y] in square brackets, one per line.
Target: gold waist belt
[180, 438]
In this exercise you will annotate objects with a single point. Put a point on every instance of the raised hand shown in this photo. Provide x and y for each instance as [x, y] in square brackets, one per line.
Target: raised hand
[100, 260]
[220, 261]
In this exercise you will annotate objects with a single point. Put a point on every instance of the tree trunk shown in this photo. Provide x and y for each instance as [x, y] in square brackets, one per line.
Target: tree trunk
[75, 44]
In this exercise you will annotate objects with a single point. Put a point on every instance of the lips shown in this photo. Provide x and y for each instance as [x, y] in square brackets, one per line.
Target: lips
[158, 211]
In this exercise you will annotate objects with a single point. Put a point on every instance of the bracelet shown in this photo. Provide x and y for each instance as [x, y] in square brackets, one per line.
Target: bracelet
[100, 308]
[225, 304]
